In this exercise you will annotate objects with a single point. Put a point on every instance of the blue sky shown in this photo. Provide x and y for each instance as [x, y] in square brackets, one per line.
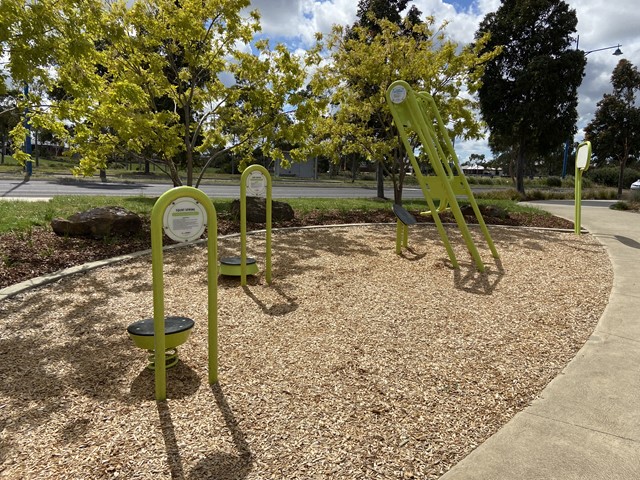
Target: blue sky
[601, 23]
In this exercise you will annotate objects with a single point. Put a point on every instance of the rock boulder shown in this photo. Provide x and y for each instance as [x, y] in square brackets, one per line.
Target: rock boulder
[257, 210]
[98, 223]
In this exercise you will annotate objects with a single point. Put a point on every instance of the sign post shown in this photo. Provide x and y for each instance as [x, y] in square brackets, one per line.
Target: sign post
[583, 158]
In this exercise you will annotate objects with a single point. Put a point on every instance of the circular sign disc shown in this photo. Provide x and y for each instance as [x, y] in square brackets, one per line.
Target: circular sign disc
[398, 94]
[184, 220]
[256, 184]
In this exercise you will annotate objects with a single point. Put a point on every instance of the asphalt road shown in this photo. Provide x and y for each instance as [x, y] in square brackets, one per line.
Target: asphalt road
[51, 188]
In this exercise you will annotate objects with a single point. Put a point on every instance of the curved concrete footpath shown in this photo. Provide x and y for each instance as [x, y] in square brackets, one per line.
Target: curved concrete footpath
[586, 423]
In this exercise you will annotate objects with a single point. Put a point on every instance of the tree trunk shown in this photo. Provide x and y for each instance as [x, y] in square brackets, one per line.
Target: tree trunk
[189, 168]
[520, 170]
[173, 173]
[623, 163]
[103, 175]
[188, 144]
[354, 168]
[398, 182]
[4, 147]
[146, 167]
[380, 179]
[397, 188]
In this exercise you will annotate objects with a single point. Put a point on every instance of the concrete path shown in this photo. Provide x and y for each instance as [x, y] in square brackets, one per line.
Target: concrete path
[586, 425]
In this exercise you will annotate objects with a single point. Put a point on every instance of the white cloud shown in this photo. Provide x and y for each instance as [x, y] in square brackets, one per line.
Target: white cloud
[297, 21]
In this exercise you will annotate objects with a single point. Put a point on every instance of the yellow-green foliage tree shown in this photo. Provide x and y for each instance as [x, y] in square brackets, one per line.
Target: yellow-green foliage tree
[178, 79]
[363, 65]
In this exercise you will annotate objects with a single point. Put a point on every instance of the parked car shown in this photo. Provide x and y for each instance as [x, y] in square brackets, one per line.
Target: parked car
[636, 185]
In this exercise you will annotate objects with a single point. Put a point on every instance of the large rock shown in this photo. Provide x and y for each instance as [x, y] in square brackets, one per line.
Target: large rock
[99, 223]
[257, 210]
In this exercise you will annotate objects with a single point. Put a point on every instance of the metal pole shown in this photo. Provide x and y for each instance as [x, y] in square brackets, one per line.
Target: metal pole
[565, 159]
[27, 141]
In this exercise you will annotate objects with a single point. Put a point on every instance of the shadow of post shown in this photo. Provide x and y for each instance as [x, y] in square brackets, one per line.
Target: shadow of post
[468, 279]
[170, 442]
[224, 466]
[287, 306]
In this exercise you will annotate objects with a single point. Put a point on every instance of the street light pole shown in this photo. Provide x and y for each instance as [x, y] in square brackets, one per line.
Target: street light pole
[568, 142]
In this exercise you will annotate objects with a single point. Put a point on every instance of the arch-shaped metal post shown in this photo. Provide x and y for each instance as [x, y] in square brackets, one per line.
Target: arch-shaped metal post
[243, 222]
[157, 215]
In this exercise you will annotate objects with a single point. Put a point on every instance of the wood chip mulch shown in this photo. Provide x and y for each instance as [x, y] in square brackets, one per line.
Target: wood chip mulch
[356, 363]
[25, 255]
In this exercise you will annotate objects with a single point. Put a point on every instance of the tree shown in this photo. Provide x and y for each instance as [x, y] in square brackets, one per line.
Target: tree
[370, 11]
[528, 96]
[122, 64]
[477, 159]
[614, 132]
[369, 14]
[363, 66]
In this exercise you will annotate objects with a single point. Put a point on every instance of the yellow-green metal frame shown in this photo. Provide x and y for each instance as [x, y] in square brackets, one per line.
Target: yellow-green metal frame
[402, 236]
[243, 223]
[577, 221]
[418, 113]
[157, 215]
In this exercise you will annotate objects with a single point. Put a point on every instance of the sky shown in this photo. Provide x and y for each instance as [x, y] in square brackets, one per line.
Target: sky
[601, 23]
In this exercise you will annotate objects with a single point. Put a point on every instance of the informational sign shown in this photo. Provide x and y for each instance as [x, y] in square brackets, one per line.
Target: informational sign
[398, 94]
[582, 157]
[256, 184]
[184, 220]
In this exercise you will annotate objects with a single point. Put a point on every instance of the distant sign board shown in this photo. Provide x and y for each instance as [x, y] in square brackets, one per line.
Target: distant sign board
[184, 220]
[583, 156]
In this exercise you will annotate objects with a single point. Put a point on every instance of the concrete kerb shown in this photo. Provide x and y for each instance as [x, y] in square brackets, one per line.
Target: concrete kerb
[21, 287]
[26, 199]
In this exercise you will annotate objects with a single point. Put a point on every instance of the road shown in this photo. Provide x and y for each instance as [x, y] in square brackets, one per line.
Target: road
[51, 188]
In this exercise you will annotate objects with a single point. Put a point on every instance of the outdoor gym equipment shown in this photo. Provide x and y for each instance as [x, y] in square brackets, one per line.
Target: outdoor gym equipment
[402, 227]
[183, 213]
[176, 332]
[417, 113]
[256, 180]
[583, 158]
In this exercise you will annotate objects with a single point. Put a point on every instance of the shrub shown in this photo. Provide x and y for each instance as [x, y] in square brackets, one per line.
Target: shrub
[602, 194]
[510, 194]
[554, 182]
[587, 182]
[619, 206]
[485, 181]
[608, 176]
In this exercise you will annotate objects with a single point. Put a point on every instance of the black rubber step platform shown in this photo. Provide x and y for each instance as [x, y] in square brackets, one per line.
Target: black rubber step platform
[236, 260]
[404, 216]
[144, 328]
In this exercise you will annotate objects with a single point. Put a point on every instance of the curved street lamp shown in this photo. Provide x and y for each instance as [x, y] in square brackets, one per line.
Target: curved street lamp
[566, 145]
[615, 54]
